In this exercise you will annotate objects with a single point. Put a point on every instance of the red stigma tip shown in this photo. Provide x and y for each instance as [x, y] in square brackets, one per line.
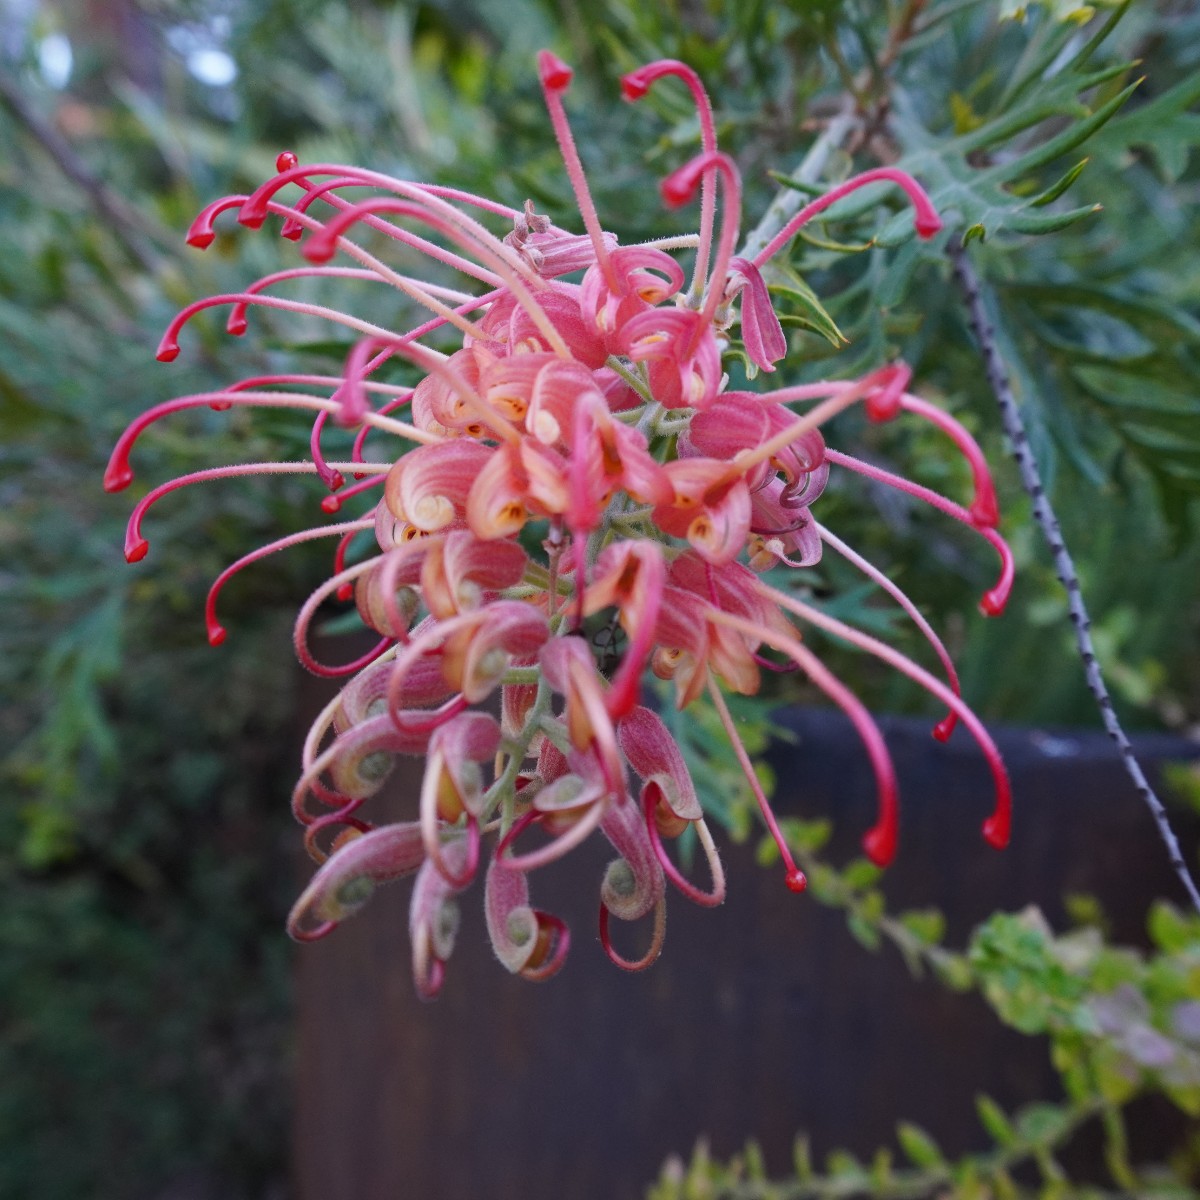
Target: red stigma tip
[879, 845]
[331, 504]
[633, 87]
[984, 512]
[318, 249]
[945, 727]
[993, 602]
[236, 325]
[136, 549]
[882, 407]
[117, 477]
[996, 832]
[252, 218]
[796, 880]
[292, 230]
[554, 73]
[201, 239]
[216, 635]
[346, 592]
[927, 227]
[168, 351]
[286, 161]
[220, 405]
[678, 188]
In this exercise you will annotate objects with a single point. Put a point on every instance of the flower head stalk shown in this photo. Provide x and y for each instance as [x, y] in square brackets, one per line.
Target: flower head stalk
[575, 499]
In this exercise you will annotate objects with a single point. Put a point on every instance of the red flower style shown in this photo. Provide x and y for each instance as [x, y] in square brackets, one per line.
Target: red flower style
[574, 474]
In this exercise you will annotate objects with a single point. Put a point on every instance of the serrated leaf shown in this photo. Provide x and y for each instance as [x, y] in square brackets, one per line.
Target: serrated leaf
[955, 972]
[981, 197]
[927, 925]
[1055, 190]
[992, 1118]
[920, 1149]
[802, 1159]
[808, 837]
[1042, 1124]
[1052, 222]
[797, 185]
[881, 1169]
[1074, 135]
[863, 932]
[785, 281]
[1165, 125]
[1171, 930]
[825, 883]
[845, 1168]
[756, 1167]
[1003, 1185]
[861, 873]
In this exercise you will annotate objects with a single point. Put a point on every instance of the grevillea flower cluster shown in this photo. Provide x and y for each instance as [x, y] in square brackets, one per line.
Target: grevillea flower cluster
[577, 499]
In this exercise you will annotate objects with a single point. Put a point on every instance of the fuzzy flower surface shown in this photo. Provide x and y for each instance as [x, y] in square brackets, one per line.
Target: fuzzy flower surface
[575, 499]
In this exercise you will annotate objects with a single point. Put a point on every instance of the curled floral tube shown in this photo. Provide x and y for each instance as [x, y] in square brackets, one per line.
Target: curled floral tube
[669, 799]
[529, 942]
[633, 884]
[634, 86]
[350, 875]
[453, 787]
[433, 918]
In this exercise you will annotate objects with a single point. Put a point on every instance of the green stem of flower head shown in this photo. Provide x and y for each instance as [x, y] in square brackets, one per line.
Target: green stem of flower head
[631, 416]
[502, 793]
[669, 425]
[536, 575]
[526, 592]
[555, 731]
[522, 675]
[634, 522]
[632, 376]
[648, 421]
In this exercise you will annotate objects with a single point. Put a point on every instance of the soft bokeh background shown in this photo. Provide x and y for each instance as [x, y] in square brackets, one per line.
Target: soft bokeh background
[146, 855]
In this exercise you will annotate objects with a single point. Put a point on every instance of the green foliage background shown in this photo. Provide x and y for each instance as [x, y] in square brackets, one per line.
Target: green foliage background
[144, 844]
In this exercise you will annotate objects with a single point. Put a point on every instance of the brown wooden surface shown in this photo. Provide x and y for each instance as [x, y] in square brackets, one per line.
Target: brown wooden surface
[762, 1018]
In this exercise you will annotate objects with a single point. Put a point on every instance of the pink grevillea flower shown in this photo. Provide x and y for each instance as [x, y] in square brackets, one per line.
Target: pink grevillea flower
[574, 501]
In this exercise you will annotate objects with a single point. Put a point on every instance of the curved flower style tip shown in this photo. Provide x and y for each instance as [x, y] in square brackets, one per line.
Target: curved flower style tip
[453, 788]
[634, 884]
[433, 919]
[553, 72]
[657, 937]
[529, 942]
[348, 878]
[682, 183]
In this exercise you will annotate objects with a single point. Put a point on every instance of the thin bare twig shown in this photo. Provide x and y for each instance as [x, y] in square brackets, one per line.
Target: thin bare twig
[1031, 480]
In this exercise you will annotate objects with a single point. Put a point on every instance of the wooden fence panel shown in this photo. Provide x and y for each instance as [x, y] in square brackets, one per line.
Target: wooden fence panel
[762, 1018]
